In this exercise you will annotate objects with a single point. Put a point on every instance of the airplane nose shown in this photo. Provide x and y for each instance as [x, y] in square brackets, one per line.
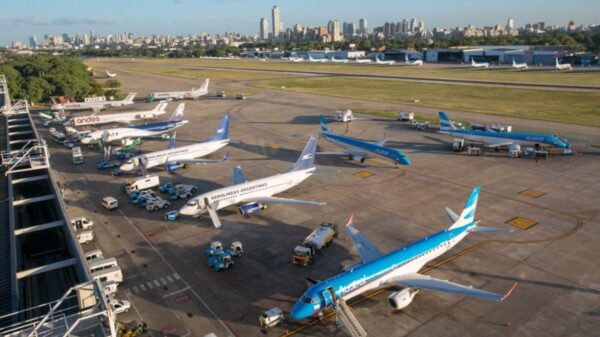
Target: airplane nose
[404, 161]
[302, 311]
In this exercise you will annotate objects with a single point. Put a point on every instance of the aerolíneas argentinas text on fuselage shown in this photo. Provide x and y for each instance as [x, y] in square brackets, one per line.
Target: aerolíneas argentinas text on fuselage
[95, 105]
[176, 157]
[398, 268]
[255, 194]
[189, 94]
[358, 150]
[492, 138]
[138, 131]
[121, 117]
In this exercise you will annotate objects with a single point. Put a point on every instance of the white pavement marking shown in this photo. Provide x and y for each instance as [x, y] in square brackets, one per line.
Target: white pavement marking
[143, 287]
[169, 278]
[149, 285]
[151, 245]
[135, 289]
[176, 292]
[156, 283]
[163, 281]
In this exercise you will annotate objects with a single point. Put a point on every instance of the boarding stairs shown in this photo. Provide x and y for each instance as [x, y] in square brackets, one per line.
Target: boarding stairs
[346, 320]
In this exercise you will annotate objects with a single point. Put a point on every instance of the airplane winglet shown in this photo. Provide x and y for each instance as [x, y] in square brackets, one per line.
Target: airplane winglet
[351, 220]
[510, 291]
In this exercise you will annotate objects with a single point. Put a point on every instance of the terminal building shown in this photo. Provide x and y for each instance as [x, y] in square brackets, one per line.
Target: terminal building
[45, 287]
[533, 55]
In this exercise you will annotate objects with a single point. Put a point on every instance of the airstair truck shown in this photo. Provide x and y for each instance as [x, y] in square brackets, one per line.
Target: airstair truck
[318, 240]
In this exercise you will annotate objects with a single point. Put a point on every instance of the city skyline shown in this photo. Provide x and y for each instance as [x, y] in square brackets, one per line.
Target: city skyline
[187, 17]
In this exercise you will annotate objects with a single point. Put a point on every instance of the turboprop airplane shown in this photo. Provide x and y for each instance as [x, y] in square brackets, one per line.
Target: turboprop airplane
[417, 63]
[122, 117]
[110, 75]
[254, 195]
[190, 94]
[390, 62]
[479, 64]
[399, 268]
[138, 131]
[562, 66]
[359, 150]
[516, 65]
[495, 139]
[175, 158]
[94, 104]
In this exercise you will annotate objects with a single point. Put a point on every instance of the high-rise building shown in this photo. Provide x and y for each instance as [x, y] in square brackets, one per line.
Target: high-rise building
[335, 31]
[413, 25]
[264, 29]
[276, 21]
[571, 26]
[33, 41]
[421, 26]
[405, 26]
[363, 27]
[510, 24]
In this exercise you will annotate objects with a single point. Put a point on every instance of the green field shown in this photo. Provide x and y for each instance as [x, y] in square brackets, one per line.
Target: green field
[587, 78]
[199, 74]
[556, 106]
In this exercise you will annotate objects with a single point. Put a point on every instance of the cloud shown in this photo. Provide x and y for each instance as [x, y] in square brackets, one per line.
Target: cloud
[35, 21]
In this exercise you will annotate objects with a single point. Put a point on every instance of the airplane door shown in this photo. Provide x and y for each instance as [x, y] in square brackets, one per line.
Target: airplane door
[326, 294]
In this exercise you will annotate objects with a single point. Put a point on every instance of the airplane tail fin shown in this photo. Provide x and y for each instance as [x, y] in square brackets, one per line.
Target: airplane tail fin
[445, 122]
[307, 157]
[178, 113]
[222, 132]
[161, 106]
[467, 216]
[323, 121]
[130, 97]
[204, 86]
[172, 142]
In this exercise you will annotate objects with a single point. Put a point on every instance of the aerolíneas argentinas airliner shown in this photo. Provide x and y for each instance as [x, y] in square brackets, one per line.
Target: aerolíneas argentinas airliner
[121, 117]
[495, 139]
[479, 64]
[189, 94]
[255, 194]
[398, 268]
[358, 150]
[176, 157]
[136, 131]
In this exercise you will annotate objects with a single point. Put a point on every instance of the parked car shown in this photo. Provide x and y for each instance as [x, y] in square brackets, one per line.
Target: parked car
[108, 164]
[109, 203]
[241, 95]
[221, 94]
[119, 306]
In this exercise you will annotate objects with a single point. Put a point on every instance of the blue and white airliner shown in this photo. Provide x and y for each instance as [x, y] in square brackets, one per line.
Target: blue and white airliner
[138, 131]
[175, 157]
[254, 195]
[492, 138]
[399, 268]
[358, 150]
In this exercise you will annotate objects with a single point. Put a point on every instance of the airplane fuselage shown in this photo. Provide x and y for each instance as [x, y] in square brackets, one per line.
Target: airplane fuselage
[190, 94]
[375, 274]
[491, 137]
[114, 118]
[148, 130]
[366, 149]
[90, 105]
[177, 154]
[245, 192]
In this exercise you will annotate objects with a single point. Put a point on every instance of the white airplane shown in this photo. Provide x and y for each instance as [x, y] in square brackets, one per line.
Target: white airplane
[362, 60]
[398, 268]
[175, 158]
[516, 65]
[311, 59]
[562, 66]
[390, 62]
[122, 117]
[296, 59]
[255, 194]
[138, 131]
[479, 64]
[334, 60]
[417, 63]
[95, 105]
[110, 75]
[190, 94]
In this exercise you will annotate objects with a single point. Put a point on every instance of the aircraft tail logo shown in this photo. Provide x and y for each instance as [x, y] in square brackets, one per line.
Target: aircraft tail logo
[445, 122]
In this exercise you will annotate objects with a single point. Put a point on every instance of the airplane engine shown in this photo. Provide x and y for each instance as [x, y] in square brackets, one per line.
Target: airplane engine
[401, 299]
[357, 158]
[172, 167]
[251, 208]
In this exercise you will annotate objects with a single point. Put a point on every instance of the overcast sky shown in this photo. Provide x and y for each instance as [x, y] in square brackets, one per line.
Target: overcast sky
[23, 18]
